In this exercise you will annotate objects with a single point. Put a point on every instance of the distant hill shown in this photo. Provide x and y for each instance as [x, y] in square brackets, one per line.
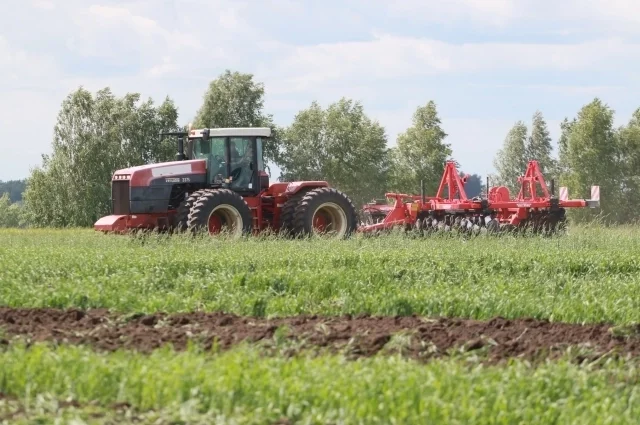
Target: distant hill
[14, 188]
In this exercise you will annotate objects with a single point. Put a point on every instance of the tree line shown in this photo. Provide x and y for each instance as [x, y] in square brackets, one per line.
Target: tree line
[96, 134]
[590, 151]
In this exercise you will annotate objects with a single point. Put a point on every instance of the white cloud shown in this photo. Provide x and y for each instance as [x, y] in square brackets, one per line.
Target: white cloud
[116, 34]
[19, 67]
[393, 57]
[166, 67]
[176, 48]
[23, 112]
[44, 4]
[566, 89]
[491, 12]
[107, 15]
[610, 16]
[608, 11]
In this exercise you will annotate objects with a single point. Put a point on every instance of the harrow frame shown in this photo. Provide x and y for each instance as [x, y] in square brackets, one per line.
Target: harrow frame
[535, 205]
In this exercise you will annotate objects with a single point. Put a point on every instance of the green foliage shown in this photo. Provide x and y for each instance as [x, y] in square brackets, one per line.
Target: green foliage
[244, 386]
[591, 154]
[14, 188]
[562, 168]
[420, 153]
[590, 275]
[539, 146]
[518, 149]
[234, 99]
[341, 145]
[511, 160]
[629, 139]
[93, 137]
[96, 135]
[10, 214]
[304, 147]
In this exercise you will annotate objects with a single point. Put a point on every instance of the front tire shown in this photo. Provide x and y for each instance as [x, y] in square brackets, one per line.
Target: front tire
[221, 210]
[325, 211]
[182, 214]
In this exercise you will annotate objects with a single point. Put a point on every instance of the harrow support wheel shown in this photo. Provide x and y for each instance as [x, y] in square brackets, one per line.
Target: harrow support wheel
[325, 211]
[220, 210]
[558, 222]
[182, 214]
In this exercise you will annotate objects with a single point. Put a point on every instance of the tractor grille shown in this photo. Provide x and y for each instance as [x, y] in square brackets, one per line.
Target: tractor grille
[120, 197]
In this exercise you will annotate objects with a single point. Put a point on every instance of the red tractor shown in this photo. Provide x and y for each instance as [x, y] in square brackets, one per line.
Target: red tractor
[220, 184]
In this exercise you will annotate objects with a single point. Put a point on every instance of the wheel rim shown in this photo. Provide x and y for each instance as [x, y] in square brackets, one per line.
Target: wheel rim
[225, 218]
[329, 219]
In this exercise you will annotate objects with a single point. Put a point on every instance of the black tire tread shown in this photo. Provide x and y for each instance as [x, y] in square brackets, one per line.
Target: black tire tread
[199, 213]
[301, 216]
[287, 214]
[182, 214]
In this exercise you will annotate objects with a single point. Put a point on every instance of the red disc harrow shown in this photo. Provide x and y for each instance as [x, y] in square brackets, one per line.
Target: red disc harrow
[535, 207]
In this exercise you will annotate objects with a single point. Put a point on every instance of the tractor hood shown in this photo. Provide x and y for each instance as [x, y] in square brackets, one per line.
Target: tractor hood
[144, 175]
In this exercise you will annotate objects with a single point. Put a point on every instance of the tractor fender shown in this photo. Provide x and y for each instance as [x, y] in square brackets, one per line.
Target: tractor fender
[295, 187]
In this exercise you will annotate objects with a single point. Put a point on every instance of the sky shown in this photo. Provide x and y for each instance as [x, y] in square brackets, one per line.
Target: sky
[485, 63]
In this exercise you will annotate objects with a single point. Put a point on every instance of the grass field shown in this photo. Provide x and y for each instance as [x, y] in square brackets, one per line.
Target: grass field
[247, 388]
[591, 275]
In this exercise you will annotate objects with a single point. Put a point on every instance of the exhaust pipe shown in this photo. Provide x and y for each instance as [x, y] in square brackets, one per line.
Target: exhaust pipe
[487, 187]
[180, 156]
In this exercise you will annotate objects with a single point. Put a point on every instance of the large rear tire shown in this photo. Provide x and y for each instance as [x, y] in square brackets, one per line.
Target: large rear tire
[221, 210]
[287, 214]
[325, 211]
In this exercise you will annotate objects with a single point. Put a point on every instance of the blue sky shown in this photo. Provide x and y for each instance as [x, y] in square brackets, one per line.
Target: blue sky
[486, 63]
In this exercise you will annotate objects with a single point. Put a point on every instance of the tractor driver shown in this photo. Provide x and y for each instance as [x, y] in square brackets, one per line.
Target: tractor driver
[235, 155]
[241, 163]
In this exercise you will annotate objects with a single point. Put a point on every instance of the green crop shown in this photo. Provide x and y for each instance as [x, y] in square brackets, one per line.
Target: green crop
[242, 386]
[589, 275]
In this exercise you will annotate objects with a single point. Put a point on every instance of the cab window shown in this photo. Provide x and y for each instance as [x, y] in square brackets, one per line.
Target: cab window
[242, 166]
[203, 149]
[240, 149]
[213, 151]
[260, 154]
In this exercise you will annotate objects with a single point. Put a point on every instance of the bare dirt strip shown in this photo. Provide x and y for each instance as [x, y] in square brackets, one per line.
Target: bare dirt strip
[357, 336]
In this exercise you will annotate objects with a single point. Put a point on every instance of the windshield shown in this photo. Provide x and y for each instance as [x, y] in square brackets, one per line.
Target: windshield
[211, 148]
[213, 151]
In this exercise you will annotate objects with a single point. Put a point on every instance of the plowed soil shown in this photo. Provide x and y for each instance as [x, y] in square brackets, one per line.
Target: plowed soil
[360, 336]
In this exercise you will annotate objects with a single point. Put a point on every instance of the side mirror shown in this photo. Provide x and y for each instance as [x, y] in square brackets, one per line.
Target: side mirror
[205, 134]
[264, 181]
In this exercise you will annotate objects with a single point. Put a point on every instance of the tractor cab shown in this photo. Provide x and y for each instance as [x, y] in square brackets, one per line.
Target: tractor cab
[234, 157]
